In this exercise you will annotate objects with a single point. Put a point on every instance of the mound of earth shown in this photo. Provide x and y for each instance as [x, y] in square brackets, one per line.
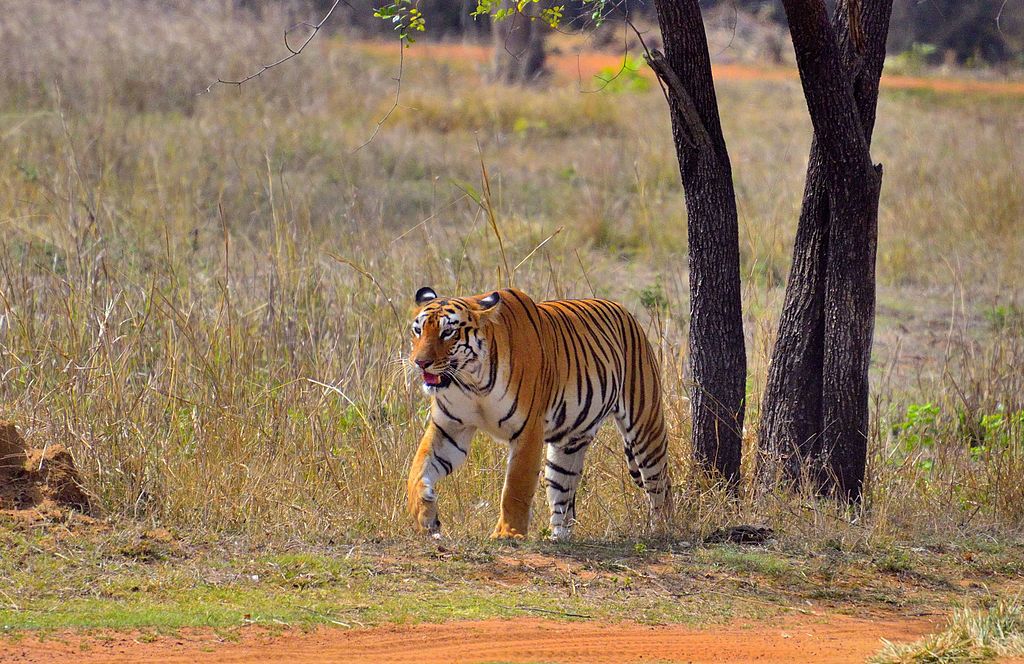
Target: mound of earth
[37, 483]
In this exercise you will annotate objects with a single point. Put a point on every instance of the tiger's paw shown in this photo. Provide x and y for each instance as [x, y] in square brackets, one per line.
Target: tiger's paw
[503, 531]
[428, 523]
[424, 514]
[561, 533]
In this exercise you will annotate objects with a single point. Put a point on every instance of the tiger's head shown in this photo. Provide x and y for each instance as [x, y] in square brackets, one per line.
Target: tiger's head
[448, 342]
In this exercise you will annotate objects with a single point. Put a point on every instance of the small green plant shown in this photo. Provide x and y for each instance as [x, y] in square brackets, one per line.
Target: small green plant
[1004, 317]
[918, 431]
[523, 127]
[626, 78]
[993, 432]
[653, 298]
[552, 15]
[765, 563]
[911, 61]
[29, 172]
[895, 561]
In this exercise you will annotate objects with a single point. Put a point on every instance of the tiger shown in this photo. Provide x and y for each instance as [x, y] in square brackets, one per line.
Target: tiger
[541, 376]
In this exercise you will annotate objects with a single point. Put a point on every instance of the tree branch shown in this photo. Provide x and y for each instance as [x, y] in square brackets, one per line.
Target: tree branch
[394, 105]
[698, 136]
[292, 52]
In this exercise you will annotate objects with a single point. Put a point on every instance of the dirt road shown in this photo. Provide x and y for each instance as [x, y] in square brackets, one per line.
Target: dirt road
[803, 639]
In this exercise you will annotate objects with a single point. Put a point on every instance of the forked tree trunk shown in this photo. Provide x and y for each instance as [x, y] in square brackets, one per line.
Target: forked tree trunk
[717, 355]
[815, 407]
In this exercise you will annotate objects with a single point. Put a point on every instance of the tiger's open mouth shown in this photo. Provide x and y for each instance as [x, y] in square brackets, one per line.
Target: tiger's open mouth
[436, 380]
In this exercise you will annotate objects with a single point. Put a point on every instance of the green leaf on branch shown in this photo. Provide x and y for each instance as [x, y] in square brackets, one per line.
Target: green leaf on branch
[406, 17]
[552, 15]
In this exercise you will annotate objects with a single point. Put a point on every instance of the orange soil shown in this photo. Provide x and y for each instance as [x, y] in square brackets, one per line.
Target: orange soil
[37, 484]
[805, 639]
[583, 66]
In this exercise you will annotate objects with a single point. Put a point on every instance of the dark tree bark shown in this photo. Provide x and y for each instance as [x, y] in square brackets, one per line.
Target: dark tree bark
[519, 46]
[717, 354]
[815, 408]
[790, 427]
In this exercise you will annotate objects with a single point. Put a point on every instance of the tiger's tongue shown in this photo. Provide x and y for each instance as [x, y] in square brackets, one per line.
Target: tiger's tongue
[431, 379]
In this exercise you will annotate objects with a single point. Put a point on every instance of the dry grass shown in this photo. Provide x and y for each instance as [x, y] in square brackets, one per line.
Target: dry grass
[170, 311]
[980, 635]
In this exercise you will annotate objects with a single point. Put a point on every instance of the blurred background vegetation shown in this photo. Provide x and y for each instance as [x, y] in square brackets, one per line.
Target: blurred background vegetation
[965, 32]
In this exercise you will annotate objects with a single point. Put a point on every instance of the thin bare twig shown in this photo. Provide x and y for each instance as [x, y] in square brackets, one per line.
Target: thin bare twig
[732, 35]
[537, 248]
[366, 273]
[622, 68]
[593, 292]
[537, 609]
[292, 52]
[486, 202]
[999, 16]
[434, 215]
[398, 94]
[647, 57]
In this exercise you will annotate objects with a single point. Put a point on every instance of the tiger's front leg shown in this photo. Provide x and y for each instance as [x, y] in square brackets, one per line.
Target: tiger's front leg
[521, 478]
[444, 448]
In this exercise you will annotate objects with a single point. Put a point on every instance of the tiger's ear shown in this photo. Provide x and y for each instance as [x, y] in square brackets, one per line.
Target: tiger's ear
[425, 294]
[489, 303]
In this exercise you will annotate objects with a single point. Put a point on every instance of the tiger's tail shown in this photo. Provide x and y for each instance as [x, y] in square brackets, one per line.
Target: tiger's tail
[640, 418]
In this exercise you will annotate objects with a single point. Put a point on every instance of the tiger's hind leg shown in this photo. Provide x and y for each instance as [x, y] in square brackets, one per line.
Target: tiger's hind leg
[645, 440]
[563, 470]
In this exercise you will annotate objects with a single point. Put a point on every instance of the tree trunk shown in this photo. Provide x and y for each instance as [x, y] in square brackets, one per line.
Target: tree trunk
[790, 427]
[717, 354]
[815, 408]
[518, 46]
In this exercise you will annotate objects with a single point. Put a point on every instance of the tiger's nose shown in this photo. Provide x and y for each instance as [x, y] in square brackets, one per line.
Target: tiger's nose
[423, 364]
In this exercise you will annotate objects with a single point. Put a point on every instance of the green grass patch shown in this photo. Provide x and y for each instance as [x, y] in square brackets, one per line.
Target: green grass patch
[52, 579]
[762, 562]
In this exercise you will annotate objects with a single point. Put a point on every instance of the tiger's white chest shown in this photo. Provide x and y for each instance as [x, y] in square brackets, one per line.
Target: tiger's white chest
[483, 412]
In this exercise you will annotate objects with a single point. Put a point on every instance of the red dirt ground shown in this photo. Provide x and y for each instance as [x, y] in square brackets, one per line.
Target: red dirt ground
[804, 639]
[585, 65]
